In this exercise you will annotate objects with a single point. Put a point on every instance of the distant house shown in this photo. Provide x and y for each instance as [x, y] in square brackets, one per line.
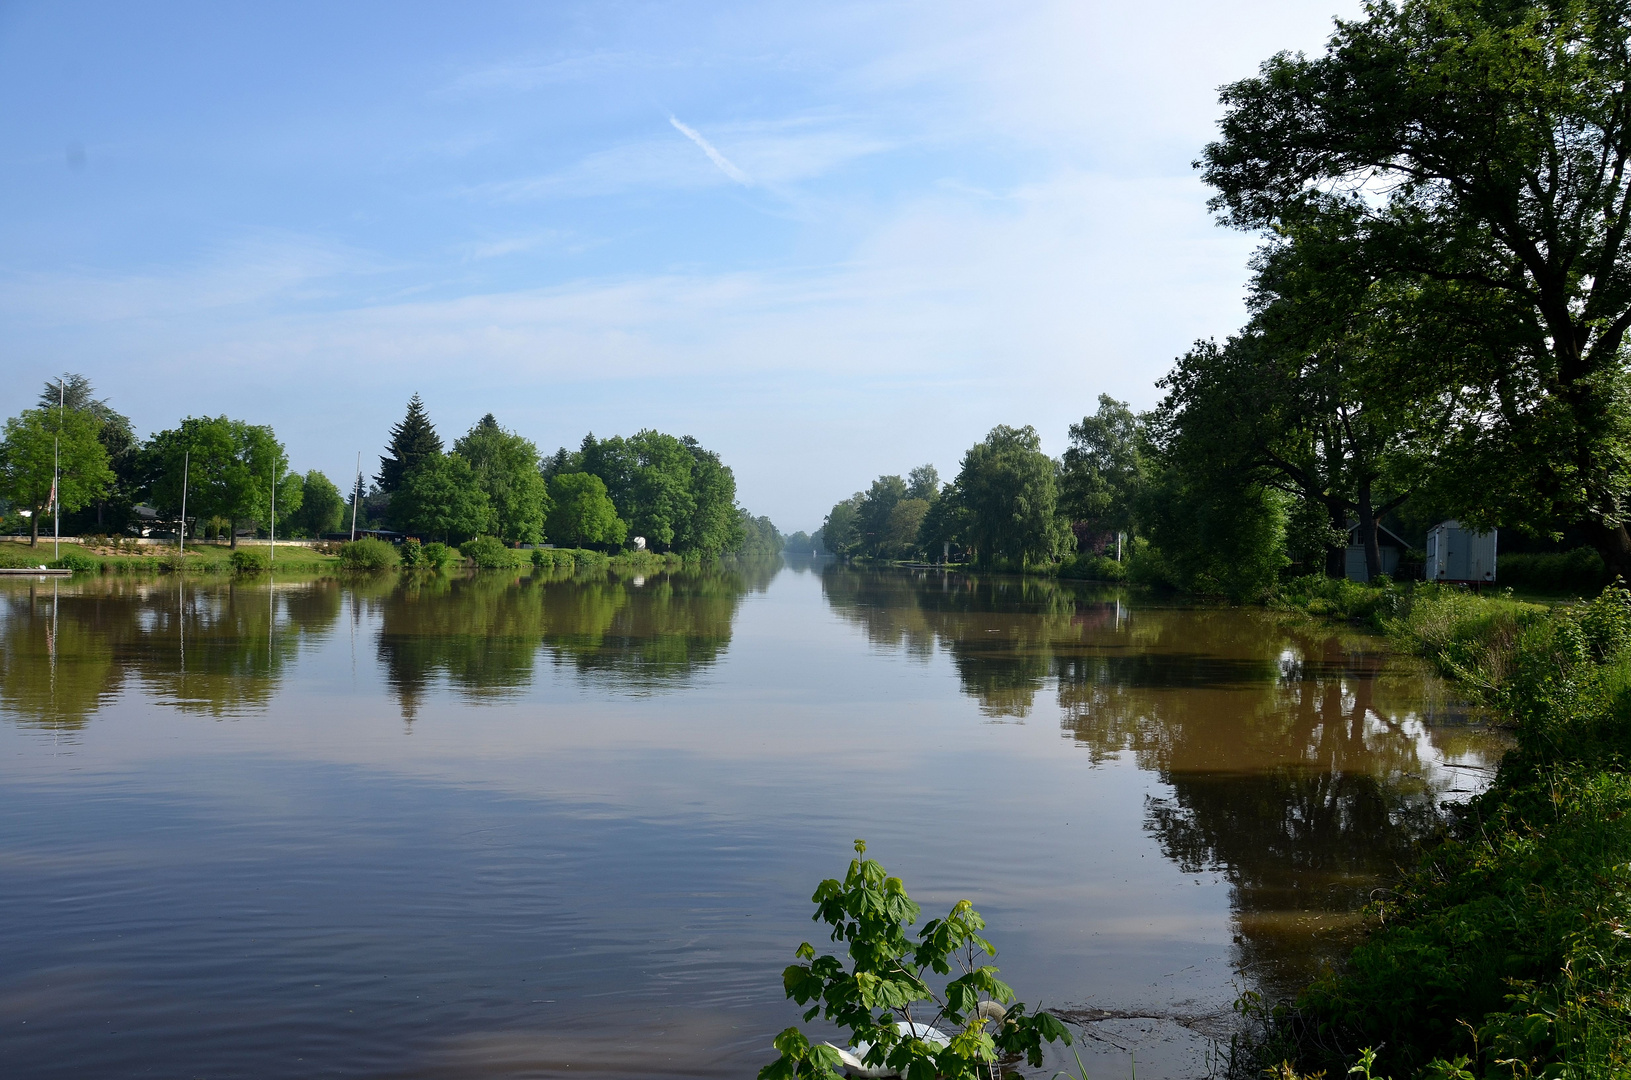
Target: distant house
[1391, 546]
[1459, 554]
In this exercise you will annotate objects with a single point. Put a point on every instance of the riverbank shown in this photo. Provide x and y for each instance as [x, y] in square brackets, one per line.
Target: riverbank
[123, 557]
[1506, 951]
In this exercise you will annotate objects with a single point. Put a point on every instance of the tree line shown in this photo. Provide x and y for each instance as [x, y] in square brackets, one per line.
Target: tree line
[1436, 327]
[226, 476]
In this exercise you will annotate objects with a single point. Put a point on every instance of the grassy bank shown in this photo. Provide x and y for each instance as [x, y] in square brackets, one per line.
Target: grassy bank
[126, 558]
[1506, 952]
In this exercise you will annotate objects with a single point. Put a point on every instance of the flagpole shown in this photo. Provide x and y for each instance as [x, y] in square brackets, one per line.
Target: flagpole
[356, 495]
[273, 524]
[181, 533]
[56, 478]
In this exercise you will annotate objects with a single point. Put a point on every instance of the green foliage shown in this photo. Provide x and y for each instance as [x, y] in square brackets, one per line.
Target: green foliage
[1507, 951]
[321, 507]
[228, 467]
[489, 553]
[1089, 566]
[1103, 469]
[412, 441]
[1580, 571]
[245, 561]
[672, 491]
[506, 469]
[760, 538]
[439, 497]
[581, 512]
[1009, 492]
[1211, 536]
[41, 444]
[78, 563]
[434, 555]
[367, 554]
[1469, 156]
[884, 997]
[799, 543]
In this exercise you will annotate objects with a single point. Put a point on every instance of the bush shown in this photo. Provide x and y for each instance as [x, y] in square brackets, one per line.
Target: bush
[245, 561]
[551, 558]
[1578, 571]
[489, 553]
[434, 555]
[367, 554]
[79, 564]
[1088, 566]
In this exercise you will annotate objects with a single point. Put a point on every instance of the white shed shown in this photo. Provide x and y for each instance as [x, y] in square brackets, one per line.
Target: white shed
[1389, 544]
[1459, 554]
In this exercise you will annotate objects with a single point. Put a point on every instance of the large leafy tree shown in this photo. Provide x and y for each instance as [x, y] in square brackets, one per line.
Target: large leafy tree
[118, 438]
[841, 529]
[1479, 148]
[581, 512]
[1009, 491]
[440, 498]
[321, 506]
[1103, 468]
[506, 468]
[715, 523]
[228, 467]
[46, 445]
[413, 440]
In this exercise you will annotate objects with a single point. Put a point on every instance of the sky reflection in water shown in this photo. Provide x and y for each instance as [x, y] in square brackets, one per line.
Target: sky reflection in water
[511, 826]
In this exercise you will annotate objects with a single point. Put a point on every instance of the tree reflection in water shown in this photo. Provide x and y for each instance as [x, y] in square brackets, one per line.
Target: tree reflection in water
[67, 648]
[1301, 763]
[484, 633]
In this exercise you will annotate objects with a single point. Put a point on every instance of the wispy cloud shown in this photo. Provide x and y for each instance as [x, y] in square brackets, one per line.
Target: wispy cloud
[714, 155]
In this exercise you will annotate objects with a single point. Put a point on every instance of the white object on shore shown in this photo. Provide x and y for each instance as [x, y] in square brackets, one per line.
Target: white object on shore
[854, 1066]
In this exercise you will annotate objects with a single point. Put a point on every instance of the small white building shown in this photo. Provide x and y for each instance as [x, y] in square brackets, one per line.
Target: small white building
[1391, 546]
[1459, 554]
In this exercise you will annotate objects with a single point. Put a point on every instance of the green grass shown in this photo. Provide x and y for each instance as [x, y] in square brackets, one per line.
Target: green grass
[200, 558]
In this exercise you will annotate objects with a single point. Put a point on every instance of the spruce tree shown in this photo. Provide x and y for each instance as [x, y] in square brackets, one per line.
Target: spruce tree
[412, 441]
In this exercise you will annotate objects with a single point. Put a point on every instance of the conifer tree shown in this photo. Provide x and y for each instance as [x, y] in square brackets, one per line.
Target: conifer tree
[412, 441]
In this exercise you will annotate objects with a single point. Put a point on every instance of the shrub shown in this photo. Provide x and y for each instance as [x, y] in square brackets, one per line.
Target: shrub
[434, 555]
[1088, 566]
[488, 553]
[409, 553]
[367, 554]
[1578, 571]
[79, 564]
[873, 997]
[551, 558]
[245, 561]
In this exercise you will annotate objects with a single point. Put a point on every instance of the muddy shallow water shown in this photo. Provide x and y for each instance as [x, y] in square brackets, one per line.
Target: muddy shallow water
[499, 826]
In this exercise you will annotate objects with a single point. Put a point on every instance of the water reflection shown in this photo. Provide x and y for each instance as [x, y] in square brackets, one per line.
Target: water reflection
[1301, 762]
[68, 649]
[484, 633]
[597, 837]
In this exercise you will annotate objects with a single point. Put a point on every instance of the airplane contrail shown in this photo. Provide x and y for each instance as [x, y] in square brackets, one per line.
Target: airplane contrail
[724, 163]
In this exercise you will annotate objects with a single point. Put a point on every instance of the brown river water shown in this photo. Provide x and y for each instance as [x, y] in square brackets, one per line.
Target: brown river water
[499, 826]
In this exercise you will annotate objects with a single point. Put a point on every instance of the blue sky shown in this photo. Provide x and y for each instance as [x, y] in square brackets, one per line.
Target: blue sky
[828, 240]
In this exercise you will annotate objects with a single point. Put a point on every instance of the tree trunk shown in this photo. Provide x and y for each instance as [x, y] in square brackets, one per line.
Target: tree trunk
[1367, 532]
[34, 528]
[1336, 558]
[1613, 543]
[232, 527]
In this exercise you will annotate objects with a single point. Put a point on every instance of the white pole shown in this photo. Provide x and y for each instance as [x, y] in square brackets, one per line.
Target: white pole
[56, 479]
[181, 534]
[273, 524]
[356, 495]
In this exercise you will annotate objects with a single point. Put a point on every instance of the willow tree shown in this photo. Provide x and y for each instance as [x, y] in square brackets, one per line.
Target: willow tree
[1479, 147]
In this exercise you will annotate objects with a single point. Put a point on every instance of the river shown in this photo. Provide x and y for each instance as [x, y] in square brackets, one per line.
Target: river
[499, 826]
